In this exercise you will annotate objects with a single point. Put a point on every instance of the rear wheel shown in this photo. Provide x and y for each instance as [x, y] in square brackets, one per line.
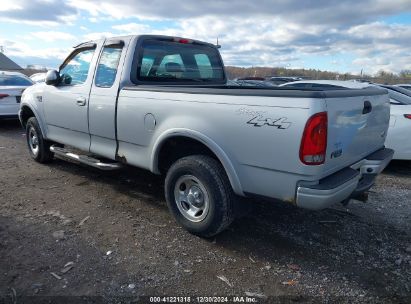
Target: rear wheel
[39, 148]
[199, 195]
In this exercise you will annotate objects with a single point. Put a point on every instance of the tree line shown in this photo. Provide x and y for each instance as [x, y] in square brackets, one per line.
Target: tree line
[383, 77]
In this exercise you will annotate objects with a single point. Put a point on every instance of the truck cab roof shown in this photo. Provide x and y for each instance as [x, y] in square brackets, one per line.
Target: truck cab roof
[144, 37]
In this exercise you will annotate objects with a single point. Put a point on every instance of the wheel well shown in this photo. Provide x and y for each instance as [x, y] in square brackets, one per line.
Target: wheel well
[177, 147]
[26, 113]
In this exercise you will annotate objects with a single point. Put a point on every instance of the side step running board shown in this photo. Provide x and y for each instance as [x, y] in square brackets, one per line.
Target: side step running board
[84, 159]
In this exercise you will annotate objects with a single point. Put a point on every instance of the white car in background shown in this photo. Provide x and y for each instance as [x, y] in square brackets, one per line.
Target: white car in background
[38, 77]
[398, 137]
[278, 80]
[325, 84]
[12, 85]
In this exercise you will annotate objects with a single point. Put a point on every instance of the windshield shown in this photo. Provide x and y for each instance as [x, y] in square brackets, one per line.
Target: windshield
[14, 80]
[172, 62]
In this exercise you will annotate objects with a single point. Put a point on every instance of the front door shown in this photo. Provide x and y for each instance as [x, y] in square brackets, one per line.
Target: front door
[66, 104]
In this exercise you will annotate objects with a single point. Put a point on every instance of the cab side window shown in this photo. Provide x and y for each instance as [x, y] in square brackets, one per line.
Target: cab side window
[107, 67]
[76, 69]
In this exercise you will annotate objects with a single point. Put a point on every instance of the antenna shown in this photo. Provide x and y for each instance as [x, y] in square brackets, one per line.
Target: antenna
[217, 45]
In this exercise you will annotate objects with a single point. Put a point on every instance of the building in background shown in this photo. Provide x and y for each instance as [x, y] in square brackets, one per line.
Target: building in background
[6, 64]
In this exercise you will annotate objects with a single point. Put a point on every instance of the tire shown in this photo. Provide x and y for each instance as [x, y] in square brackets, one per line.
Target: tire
[39, 148]
[205, 199]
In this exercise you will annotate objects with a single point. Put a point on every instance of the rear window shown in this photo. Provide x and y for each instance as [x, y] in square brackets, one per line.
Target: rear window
[14, 80]
[172, 62]
[107, 67]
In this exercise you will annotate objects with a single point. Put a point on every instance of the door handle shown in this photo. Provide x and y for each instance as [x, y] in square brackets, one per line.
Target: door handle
[367, 107]
[81, 101]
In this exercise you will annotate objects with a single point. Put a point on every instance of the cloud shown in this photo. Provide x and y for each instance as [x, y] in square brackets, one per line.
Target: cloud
[133, 28]
[269, 42]
[97, 35]
[38, 12]
[264, 33]
[307, 12]
[25, 54]
[260, 33]
[9, 5]
[378, 46]
[20, 49]
[51, 36]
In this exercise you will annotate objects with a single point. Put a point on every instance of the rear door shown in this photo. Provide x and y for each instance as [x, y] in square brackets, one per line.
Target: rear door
[103, 97]
[357, 126]
[66, 105]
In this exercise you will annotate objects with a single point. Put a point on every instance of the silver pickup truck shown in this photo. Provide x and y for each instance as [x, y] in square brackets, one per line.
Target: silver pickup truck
[161, 103]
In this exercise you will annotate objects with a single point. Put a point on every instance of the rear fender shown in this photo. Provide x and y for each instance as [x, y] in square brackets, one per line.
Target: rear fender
[214, 147]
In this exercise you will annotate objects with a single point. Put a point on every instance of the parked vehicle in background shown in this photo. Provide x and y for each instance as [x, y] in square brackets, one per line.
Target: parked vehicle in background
[231, 82]
[404, 86]
[398, 137]
[12, 85]
[325, 84]
[277, 80]
[251, 78]
[161, 103]
[253, 83]
[38, 77]
[399, 132]
[360, 80]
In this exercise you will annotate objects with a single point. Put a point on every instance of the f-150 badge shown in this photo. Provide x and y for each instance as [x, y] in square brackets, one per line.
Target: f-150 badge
[280, 123]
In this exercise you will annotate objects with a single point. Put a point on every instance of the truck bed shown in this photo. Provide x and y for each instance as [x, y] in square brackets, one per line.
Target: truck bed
[238, 119]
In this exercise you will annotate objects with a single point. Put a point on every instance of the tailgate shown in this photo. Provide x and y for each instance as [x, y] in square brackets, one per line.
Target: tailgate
[357, 126]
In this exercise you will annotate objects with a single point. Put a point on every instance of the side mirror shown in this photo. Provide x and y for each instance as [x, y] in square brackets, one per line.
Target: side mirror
[52, 77]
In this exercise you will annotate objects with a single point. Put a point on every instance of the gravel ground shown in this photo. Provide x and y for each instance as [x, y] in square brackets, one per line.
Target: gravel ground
[84, 235]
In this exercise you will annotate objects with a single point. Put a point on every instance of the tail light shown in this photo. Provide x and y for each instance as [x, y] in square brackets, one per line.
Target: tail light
[4, 96]
[314, 142]
[407, 116]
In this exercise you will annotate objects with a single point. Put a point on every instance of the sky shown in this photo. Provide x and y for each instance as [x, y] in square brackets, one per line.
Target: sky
[334, 35]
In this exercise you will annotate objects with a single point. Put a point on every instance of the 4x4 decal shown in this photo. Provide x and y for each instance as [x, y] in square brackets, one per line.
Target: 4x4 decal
[280, 123]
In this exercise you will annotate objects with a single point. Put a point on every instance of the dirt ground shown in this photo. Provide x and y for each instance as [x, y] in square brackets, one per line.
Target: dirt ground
[72, 233]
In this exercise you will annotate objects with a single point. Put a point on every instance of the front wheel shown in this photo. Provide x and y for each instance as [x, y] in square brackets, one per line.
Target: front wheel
[199, 195]
[39, 148]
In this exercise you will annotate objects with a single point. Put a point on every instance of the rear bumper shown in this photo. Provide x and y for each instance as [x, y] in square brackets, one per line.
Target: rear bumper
[7, 110]
[346, 183]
